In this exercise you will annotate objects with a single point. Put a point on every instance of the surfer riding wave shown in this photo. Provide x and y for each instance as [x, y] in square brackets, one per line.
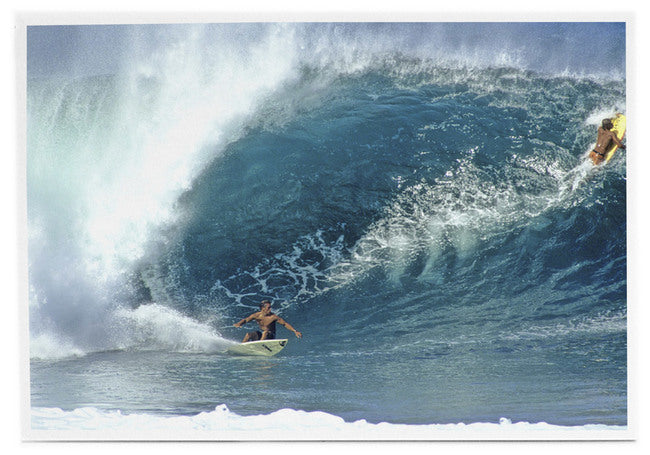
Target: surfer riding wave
[266, 319]
[605, 138]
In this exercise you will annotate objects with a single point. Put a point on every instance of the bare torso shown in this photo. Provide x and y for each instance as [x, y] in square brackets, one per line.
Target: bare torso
[604, 139]
[266, 322]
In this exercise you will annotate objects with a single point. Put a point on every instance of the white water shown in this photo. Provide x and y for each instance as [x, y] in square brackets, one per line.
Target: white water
[147, 327]
[285, 424]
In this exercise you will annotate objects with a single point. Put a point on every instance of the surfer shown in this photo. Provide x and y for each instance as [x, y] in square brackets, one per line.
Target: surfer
[604, 140]
[266, 320]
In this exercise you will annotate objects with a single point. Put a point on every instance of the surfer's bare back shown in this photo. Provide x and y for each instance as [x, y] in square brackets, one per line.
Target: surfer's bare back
[266, 319]
[605, 137]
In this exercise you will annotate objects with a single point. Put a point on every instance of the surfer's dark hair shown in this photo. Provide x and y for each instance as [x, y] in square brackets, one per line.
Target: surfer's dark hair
[264, 302]
[607, 124]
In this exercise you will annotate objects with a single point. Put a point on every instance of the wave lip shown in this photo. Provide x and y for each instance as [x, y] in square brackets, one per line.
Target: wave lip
[287, 424]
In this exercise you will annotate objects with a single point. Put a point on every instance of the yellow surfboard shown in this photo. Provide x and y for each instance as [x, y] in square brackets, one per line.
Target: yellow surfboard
[619, 130]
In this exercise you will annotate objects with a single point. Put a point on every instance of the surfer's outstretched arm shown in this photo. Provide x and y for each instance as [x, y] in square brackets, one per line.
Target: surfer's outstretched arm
[289, 327]
[245, 320]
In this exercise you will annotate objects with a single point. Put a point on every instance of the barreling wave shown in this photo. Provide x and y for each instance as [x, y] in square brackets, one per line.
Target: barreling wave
[303, 163]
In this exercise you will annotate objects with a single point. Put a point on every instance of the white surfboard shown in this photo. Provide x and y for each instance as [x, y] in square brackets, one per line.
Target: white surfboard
[262, 347]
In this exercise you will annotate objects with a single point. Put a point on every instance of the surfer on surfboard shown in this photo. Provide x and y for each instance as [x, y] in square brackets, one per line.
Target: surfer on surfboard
[266, 319]
[604, 140]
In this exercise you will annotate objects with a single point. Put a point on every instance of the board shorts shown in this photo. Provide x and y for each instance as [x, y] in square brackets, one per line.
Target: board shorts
[257, 335]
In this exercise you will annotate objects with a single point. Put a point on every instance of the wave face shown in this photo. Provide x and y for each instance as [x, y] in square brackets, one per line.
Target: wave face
[413, 189]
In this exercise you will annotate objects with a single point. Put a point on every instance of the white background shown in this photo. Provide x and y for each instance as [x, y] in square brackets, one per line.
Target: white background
[12, 275]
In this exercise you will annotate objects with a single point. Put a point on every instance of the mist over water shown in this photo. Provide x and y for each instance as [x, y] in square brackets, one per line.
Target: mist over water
[109, 155]
[420, 186]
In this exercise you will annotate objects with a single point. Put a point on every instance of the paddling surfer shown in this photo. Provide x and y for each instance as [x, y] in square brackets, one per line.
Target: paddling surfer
[266, 319]
[604, 140]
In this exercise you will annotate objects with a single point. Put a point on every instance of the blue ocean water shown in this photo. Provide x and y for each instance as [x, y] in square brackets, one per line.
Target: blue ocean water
[415, 200]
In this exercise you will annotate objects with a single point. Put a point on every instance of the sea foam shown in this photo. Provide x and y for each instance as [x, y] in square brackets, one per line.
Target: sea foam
[286, 424]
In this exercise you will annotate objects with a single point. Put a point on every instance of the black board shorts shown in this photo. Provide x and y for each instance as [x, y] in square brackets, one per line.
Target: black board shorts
[257, 335]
